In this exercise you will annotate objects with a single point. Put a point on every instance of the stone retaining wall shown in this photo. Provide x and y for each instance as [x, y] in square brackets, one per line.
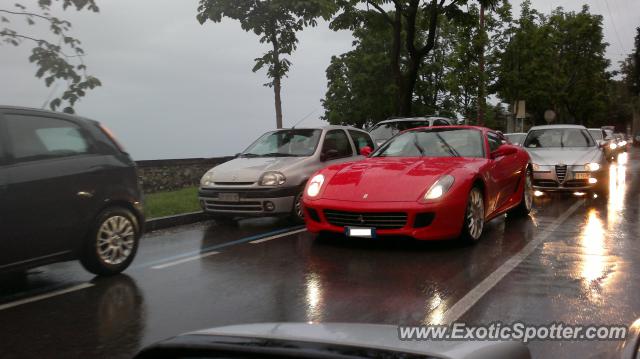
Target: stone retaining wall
[171, 175]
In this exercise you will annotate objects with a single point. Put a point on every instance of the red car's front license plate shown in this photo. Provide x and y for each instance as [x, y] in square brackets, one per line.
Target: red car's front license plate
[360, 232]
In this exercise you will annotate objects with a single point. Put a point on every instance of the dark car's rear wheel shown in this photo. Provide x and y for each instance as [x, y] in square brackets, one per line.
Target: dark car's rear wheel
[474, 216]
[112, 243]
[526, 202]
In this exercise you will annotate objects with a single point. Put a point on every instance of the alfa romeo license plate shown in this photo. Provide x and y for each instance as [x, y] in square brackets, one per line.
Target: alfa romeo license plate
[581, 175]
[360, 232]
[229, 197]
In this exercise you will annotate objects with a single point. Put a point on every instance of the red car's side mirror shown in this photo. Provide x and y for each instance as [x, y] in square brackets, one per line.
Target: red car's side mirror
[504, 150]
[366, 151]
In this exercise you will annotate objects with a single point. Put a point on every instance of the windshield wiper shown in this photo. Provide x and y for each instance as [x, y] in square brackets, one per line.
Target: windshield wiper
[278, 154]
[249, 155]
[449, 148]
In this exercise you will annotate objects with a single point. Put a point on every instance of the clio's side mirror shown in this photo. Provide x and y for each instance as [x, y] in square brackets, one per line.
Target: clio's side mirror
[365, 151]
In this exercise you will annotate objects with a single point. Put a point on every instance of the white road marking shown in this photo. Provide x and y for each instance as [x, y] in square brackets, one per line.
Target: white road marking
[45, 296]
[261, 240]
[184, 260]
[473, 296]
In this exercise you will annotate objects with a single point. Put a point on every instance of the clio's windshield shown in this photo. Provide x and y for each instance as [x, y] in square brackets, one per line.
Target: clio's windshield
[285, 143]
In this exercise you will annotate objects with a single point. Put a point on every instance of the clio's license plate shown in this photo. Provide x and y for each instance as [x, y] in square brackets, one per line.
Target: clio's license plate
[581, 175]
[229, 197]
[360, 232]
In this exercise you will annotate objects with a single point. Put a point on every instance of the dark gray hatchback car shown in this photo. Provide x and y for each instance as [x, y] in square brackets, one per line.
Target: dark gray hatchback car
[67, 191]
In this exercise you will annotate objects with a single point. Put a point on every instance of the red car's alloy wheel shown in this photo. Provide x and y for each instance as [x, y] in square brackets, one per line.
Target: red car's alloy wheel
[475, 214]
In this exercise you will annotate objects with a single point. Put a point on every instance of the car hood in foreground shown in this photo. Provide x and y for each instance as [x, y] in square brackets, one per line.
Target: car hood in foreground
[250, 169]
[372, 336]
[392, 179]
[564, 156]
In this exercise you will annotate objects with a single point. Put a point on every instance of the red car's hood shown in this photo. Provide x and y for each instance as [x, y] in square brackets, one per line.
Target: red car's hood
[390, 179]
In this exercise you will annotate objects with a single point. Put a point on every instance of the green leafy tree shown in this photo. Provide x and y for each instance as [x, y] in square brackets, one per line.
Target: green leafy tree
[631, 67]
[631, 82]
[405, 21]
[360, 88]
[57, 56]
[275, 22]
[556, 62]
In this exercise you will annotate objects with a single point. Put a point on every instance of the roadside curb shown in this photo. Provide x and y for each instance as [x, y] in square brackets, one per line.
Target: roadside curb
[172, 221]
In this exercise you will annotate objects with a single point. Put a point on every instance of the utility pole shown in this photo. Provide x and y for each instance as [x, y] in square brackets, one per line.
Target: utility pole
[482, 86]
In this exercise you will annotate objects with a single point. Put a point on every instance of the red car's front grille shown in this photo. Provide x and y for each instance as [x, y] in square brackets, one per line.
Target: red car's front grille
[379, 220]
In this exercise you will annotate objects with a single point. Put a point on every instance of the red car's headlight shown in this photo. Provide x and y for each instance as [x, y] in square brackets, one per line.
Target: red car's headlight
[439, 188]
[315, 185]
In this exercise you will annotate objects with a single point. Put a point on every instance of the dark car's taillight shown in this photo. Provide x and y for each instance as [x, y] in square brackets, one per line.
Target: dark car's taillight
[112, 137]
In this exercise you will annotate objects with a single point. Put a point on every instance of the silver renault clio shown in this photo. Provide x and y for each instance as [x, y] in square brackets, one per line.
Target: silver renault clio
[268, 178]
[566, 158]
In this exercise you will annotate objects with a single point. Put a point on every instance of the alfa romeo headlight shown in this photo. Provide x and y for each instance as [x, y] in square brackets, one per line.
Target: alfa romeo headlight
[536, 167]
[272, 179]
[592, 167]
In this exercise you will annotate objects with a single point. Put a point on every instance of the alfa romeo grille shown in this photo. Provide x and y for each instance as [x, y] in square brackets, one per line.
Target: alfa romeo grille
[561, 173]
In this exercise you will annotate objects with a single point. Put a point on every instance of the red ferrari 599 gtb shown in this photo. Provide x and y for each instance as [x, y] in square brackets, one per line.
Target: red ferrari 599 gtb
[427, 183]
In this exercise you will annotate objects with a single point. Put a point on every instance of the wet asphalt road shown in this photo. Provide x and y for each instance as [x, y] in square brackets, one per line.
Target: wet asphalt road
[584, 270]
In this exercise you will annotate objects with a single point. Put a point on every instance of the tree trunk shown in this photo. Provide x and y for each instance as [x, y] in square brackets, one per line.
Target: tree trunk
[277, 80]
[410, 84]
[276, 89]
[481, 88]
[635, 124]
[416, 54]
[395, 61]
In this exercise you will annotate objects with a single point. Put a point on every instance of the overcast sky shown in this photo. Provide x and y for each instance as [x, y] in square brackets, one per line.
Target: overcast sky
[174, 89]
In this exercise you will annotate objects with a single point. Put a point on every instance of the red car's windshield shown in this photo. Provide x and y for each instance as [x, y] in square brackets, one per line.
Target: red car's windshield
[434, 143]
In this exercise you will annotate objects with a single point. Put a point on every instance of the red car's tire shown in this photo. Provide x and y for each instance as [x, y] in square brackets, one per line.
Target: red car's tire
[474, 216]
[526, 201]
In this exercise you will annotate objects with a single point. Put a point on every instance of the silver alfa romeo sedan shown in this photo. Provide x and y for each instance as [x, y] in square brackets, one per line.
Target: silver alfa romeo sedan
[268, 178]
[566, 158]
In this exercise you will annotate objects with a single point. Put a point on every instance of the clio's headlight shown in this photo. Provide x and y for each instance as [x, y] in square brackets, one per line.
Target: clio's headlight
[207, 179]
[613, 146]
[314, 186]
[592, 167]
[439, 188]
[536, 167]
[272, 179]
